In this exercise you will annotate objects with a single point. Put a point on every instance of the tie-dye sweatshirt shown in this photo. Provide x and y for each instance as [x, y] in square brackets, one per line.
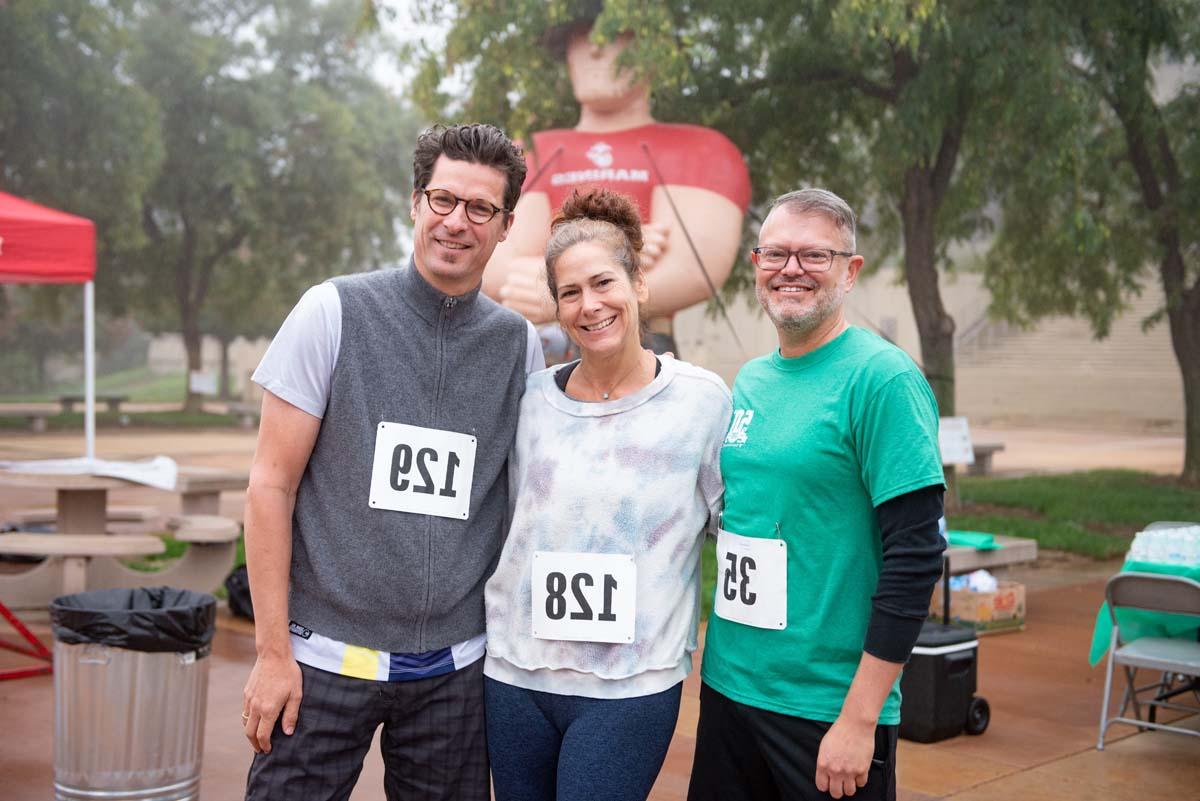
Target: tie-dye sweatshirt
[639, 475]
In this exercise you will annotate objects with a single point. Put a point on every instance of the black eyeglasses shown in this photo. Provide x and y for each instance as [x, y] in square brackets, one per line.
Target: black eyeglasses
[444, 203]
[811, 260]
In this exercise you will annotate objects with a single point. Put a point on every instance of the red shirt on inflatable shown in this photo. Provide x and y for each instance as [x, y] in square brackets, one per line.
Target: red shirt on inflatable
[686, 155]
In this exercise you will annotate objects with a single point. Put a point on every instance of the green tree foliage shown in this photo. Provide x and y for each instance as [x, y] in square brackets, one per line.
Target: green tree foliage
[231, 152]
[73, 129]
[1107, 196]
[284, 161]
[75, 134]
[891, 104]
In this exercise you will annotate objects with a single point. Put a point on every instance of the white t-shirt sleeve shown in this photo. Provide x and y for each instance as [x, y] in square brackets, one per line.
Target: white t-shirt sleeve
[298, 366]
[535, 359]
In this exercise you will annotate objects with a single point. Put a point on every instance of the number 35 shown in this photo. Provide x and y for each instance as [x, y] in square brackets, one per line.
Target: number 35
[732, 575]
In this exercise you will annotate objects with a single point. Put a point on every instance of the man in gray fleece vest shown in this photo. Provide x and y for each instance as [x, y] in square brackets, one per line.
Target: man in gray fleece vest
[377, 499]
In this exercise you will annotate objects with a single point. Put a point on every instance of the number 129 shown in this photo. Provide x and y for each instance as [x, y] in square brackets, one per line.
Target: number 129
[402, 464]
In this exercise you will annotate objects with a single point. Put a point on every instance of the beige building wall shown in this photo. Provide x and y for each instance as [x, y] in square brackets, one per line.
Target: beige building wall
[1056, 372]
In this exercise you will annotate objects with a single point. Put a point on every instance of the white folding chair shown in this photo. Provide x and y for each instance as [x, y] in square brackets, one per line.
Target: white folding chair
[1167, 656]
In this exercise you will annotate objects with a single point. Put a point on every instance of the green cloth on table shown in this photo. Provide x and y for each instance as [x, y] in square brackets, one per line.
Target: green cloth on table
[1136, 623]
[973, 539]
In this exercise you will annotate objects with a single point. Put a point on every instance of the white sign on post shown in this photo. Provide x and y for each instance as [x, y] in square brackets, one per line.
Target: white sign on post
[425, 471]
[588, 597]
[954, 439]
[202, 383]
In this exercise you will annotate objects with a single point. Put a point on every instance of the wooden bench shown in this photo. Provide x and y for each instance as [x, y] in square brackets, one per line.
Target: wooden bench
[112, 401]
[76, 551]
[36, 417]
[984, 451]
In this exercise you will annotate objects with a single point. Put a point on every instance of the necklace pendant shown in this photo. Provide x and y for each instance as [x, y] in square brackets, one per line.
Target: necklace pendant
[604, 395]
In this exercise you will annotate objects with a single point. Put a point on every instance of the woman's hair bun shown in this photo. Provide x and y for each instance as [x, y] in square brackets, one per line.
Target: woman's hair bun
[604, 205]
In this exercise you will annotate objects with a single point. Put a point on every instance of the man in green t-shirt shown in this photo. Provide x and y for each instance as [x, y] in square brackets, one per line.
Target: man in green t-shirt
[829, 548]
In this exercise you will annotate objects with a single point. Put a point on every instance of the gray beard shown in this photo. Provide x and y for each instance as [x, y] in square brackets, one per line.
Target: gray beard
[800, 325]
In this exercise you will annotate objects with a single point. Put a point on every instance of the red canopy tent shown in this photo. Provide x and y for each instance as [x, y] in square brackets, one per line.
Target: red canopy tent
[43, 246]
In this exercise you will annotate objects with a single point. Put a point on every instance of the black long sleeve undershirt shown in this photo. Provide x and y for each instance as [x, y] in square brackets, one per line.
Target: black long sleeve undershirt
[912, 565]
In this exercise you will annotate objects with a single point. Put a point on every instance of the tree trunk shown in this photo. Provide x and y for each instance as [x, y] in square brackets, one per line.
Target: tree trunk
[39, 368]
[1159, 182]
[918, 211]
[192, 342]
[1188, 353]
[224, 377]
[1183, 314]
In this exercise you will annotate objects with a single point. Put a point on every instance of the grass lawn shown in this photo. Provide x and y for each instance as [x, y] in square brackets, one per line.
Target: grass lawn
[1093, 513]
[140, 384]
[104, 419]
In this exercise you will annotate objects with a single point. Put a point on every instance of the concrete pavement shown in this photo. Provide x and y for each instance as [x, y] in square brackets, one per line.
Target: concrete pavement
[1044, 697]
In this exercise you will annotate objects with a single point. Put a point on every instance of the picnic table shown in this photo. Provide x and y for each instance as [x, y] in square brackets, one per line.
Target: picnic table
[81, 553]
[112, 401]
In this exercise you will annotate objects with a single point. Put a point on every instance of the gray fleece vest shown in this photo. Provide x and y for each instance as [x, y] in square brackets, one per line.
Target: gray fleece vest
[397, 581]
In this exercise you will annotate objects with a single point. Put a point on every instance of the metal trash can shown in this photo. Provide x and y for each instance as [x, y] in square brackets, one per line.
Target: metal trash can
[130, 692]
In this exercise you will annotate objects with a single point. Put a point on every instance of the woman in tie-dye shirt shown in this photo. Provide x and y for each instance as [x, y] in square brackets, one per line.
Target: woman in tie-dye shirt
[615, 472]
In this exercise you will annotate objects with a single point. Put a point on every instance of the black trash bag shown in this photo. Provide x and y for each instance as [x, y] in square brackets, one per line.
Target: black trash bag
[237, 587]
[24, 528]
[151, 619]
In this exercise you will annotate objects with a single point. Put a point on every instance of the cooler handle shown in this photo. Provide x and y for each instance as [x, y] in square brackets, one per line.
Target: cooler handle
[959, 662]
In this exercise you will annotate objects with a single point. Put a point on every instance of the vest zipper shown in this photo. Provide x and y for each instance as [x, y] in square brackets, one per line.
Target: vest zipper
[443, 315]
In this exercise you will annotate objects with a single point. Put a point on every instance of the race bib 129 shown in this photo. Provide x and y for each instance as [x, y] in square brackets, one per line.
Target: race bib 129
[590, 597]
[751, 580]
[425, 471]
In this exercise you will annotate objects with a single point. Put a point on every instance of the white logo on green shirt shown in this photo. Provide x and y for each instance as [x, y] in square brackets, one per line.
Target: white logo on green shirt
[739, 429]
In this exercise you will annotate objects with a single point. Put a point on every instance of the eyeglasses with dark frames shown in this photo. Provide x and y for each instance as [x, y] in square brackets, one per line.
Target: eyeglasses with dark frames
[444, 202]
[811, 260]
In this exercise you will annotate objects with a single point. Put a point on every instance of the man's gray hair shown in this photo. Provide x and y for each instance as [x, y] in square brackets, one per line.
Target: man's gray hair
[821, 201]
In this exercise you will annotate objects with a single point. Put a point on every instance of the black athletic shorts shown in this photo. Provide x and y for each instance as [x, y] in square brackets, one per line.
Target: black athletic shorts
[744, 753]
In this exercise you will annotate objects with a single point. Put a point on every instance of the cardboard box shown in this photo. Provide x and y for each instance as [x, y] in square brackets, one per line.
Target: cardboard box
[986, 612]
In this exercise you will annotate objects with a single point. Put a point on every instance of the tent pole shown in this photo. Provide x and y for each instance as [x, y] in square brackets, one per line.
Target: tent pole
[89, 368]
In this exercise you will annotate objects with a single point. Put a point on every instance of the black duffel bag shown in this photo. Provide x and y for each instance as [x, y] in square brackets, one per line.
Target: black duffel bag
[237, 585]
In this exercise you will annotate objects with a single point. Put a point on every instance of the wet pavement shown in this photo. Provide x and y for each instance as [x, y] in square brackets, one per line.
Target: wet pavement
[1044, 696]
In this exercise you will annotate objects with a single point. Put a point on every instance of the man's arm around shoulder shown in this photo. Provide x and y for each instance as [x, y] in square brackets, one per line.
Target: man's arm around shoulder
[286, 438]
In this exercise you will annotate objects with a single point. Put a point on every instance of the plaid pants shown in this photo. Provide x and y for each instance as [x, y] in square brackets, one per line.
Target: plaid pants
[433, 741]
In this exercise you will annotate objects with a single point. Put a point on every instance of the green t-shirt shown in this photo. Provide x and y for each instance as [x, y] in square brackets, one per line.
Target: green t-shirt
[817, 442]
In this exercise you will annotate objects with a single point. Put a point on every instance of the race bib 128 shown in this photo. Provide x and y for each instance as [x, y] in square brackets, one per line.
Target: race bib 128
[751, 580]
[590, 597]
[425, 471]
